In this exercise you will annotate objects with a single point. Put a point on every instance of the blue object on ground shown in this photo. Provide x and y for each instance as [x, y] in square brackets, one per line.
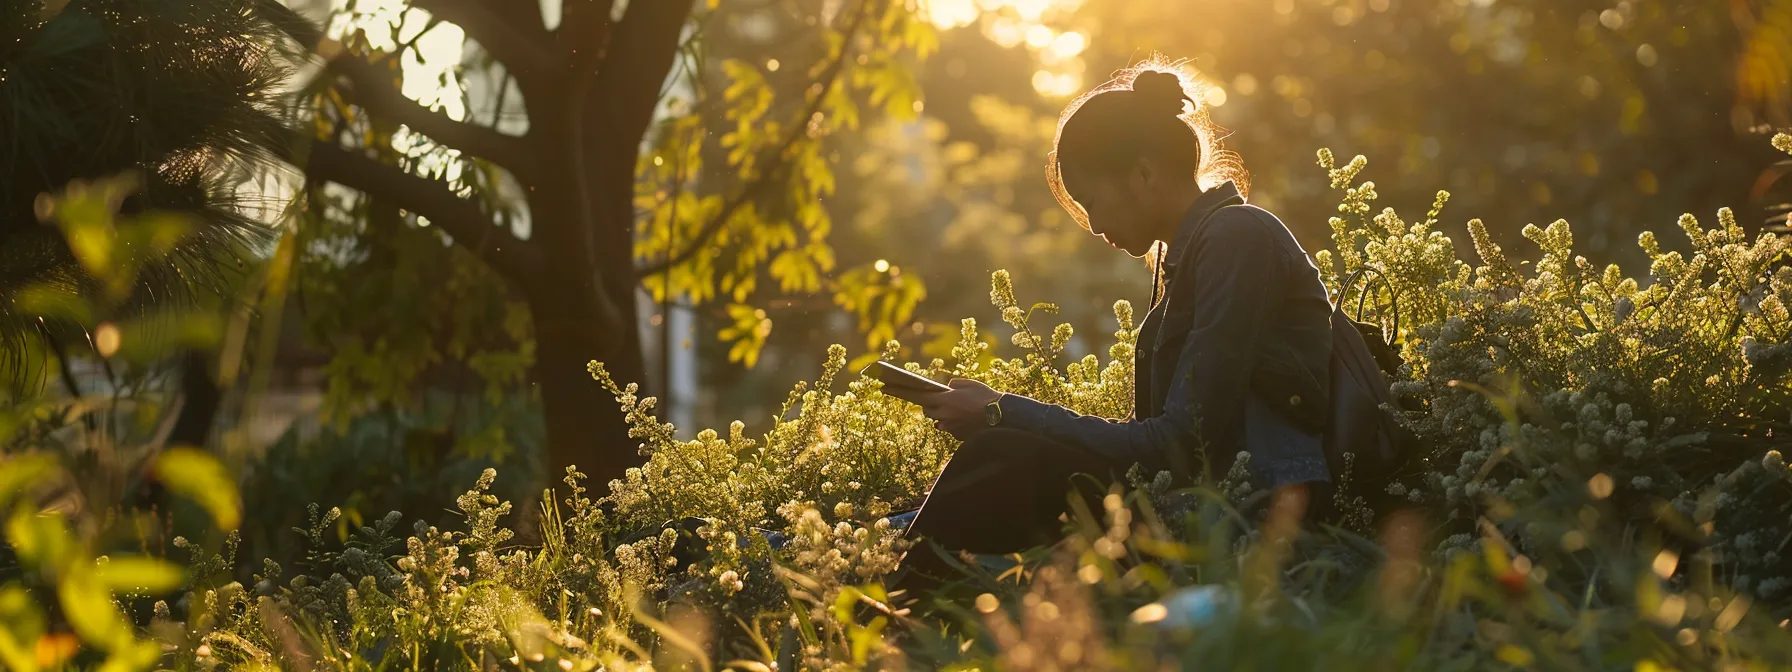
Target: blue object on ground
[1189, 607]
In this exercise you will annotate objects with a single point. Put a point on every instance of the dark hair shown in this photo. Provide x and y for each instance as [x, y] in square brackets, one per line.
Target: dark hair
[1144, 110]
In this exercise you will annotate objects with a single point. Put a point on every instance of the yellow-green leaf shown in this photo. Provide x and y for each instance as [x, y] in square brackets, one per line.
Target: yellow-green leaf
[1516, 656]
[16, 473]
[13, 654]
[154, 336]
[21, 624]
[145, 574]
[199, 476]
[90, 610]
[155, 234]
[39, 540]
[54, 301]
[92, 243]
[132, 656]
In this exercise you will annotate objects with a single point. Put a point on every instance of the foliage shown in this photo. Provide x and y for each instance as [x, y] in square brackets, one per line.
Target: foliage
[78, 543]
[971, 187]
[786, 239]
[178, 94]
[962, 174]
[1528, 380]
[1557, 519]
[449, 250]
[381, 462]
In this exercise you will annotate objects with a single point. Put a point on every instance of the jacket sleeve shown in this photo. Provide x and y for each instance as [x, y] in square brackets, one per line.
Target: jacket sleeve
[1230, 293]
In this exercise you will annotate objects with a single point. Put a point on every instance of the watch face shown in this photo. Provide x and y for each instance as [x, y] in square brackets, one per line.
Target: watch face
[992, 413]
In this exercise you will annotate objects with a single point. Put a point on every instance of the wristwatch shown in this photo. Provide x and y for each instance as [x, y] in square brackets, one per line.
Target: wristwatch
[992, 411]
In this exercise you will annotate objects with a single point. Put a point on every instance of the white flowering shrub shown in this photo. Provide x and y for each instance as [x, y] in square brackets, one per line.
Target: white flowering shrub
[1667, 389]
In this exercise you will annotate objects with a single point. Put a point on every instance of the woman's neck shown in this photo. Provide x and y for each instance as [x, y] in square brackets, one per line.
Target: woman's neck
[1176, 206]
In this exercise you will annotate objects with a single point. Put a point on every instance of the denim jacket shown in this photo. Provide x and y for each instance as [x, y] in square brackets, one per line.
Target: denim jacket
[1233, 358]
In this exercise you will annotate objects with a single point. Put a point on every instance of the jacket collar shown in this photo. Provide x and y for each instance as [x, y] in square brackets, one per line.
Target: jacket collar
[1205, 205]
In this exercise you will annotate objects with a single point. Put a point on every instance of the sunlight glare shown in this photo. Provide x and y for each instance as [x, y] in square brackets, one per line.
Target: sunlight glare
[1069, 44]
[1215, 96]
[1245, 83]
[1031, 10]
[429, 70]
[1005, 32]
[949, 14]
[1056, 85]
[1013, 23]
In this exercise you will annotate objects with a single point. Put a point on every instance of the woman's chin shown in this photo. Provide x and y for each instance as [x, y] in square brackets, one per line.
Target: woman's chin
[1123, 247]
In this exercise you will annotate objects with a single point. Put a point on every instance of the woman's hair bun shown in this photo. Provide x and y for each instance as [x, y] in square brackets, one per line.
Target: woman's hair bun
[1160, 90]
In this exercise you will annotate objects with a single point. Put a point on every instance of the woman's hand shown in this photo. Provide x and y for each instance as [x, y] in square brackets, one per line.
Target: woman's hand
[959, 411]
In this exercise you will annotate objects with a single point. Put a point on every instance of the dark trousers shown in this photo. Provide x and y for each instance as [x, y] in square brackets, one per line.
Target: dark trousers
[1004, 490]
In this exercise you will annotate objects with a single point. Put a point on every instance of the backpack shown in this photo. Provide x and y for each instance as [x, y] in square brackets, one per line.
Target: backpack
[1361, 420]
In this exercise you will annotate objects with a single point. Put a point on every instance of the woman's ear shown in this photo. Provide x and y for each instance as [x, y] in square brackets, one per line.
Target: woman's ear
[1143, 176]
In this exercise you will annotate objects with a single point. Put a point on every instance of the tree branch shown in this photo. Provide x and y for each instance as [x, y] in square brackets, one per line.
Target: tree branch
[376, 91]
[380, 94]
[520, 46]
[301, 30]
[461, 218]
[779, 162]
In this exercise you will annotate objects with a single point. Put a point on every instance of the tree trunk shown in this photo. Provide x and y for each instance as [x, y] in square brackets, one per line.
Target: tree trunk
[582, 303]
[584, 425]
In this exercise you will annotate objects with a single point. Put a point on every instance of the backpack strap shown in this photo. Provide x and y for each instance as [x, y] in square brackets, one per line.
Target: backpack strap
[1369, 275]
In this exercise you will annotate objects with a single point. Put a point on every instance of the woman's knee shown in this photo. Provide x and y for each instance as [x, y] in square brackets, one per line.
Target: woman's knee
[999, 445]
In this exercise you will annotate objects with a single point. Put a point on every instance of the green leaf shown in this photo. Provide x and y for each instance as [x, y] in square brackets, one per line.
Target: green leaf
[863, 638]
[21, 624]
[132, 656]
[154, 235]
[743, 78]
[152, 337]
[89, 609]
[55, 302]
[748, 333]
[17, 473]
[843, 604]
[13, 654]
[796, 272]
[92, 242]
[199, 476]
[39, 539]
[130, 574]
[489, 443]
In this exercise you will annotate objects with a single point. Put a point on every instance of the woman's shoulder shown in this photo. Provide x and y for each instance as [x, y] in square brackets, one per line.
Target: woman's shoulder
[1248, 230]
[1245, 223]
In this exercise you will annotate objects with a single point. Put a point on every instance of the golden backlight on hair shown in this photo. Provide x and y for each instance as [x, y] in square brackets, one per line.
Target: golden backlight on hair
[1216, 165]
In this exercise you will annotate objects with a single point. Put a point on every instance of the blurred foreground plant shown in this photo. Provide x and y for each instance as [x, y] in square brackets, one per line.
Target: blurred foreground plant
[77, 549]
